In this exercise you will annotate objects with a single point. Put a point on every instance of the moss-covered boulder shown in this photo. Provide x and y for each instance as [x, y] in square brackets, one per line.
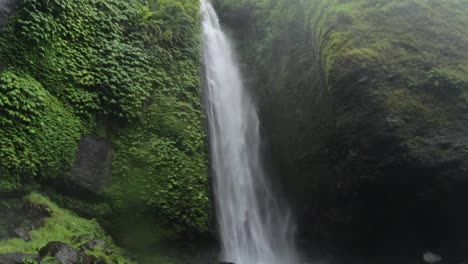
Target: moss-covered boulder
[60, 225]
[364, 106]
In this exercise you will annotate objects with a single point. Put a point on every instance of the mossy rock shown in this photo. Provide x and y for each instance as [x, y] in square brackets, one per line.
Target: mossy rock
[62, 225]
[371, 98]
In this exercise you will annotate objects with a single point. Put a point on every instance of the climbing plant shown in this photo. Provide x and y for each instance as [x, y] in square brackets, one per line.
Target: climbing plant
[75, 67]
[38, 134]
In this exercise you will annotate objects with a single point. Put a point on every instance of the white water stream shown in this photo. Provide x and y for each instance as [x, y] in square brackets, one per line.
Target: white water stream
[252, 226]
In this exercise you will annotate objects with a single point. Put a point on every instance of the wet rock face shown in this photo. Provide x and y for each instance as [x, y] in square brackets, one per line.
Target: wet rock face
[7, 8]
[400, 171]
[91, 171]
[370, 148]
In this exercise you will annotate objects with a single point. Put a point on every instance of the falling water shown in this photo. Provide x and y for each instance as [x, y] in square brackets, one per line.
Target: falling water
[253, 228]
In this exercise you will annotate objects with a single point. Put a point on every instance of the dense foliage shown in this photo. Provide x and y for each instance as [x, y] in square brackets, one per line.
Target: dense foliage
[161, 160]
[166, 170]
[78, 50]
[127, 71]
[39, 133]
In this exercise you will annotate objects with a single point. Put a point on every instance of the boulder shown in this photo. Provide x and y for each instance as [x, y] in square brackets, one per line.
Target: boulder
[91, 245]
[62, 252]
[16, 258]
[19, 218]
[22, 233]
[33, 215]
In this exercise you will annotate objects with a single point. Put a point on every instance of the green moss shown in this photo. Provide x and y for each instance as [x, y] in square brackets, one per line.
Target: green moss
[62, 226]
[389, 44]
[398, 33]
[388, 36]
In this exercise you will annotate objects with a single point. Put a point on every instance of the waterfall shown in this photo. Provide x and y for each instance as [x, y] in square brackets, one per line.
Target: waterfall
[253, 228]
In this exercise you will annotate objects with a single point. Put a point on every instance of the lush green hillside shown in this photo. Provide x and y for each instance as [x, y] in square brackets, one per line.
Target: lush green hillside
[63, 225]
[125, 72]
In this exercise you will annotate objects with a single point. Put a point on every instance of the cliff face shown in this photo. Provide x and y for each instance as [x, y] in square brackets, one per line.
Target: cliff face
[364, 105]
[122, 78]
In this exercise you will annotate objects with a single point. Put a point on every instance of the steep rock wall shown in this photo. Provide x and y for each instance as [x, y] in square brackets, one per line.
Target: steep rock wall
[364, 106]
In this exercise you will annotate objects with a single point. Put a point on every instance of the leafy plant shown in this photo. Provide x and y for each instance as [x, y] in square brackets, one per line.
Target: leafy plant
[126, 67]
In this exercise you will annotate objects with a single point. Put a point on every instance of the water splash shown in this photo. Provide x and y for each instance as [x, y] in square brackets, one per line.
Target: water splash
[253, 228]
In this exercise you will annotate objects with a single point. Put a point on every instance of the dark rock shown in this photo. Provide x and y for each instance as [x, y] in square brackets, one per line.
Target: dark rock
[16, 258]
[29, 217]
[62, 252]
[9, 208]
[91, 171]
[92, 244]
[19, 218]
[7, 9]
[108, 251]
[34, 215]
[22, 233]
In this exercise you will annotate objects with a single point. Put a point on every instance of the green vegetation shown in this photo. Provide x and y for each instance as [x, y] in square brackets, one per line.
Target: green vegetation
[80, 53]
[126, 71]
[161, 159]
[160, 162]
[63, 226]
[39, 133]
